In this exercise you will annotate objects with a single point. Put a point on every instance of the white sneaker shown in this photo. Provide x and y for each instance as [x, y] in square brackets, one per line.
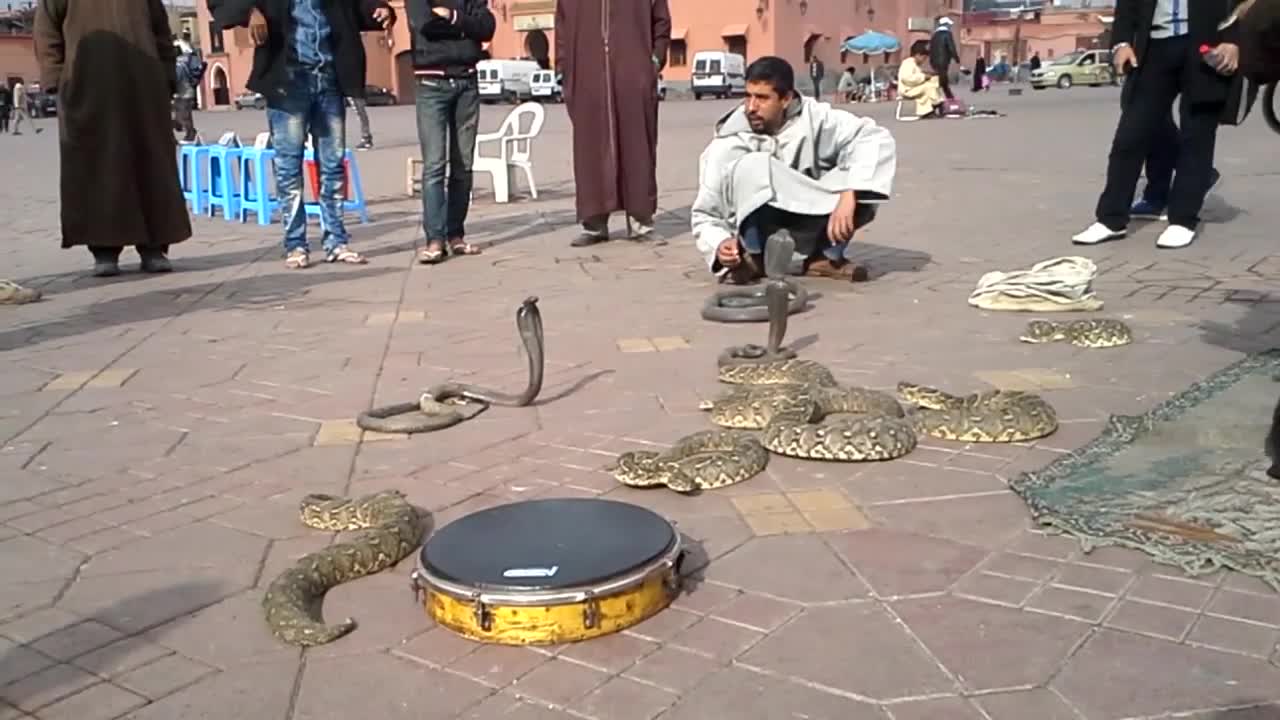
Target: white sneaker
[1175, 236]
[1095, 234]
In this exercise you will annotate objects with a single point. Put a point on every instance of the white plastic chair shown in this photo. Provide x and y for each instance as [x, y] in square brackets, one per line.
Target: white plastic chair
[515, 149]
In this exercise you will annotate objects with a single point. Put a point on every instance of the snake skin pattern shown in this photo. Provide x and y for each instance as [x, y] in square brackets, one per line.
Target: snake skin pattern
[1081, 333]
[393, 530]
[790, 372]
[702, 461]
[793, 414]
[996, 416]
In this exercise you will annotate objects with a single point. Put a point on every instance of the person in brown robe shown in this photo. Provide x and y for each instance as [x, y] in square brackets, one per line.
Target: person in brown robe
[111, 63]
[611, 52]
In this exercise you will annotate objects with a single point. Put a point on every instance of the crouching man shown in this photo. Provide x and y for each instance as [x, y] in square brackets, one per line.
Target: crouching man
[786, 162]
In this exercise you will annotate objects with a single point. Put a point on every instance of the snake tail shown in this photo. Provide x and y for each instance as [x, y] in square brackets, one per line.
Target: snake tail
[292, 603]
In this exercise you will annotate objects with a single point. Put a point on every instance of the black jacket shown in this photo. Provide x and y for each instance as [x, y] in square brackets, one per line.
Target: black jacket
[1132, 25]
[449, 44]
[942, 50]
[1260, 42]
[270, 73]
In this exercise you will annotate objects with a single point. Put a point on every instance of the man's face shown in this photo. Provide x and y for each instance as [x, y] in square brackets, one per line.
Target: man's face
[765, 107]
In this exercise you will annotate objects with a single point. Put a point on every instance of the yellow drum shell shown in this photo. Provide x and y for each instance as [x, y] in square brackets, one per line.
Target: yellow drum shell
[555, 616]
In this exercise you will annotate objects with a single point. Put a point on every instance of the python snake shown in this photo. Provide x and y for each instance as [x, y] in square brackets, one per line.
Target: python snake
[393, 529]
[997, 416]
[702, 461]
[448, 404]
[794, 420]
[1081, 333]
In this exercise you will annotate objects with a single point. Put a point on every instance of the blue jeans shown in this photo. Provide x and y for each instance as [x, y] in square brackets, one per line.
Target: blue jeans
[809, 231]
[312, 106]
[448, 116]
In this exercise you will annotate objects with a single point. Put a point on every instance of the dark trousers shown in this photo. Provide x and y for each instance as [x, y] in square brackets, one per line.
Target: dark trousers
[809, 231]
[944, 81]
[183, 119]
[4, 119]
[1146, 104]
[448, 117]
[362, 112]
[817, 87]
[1160, 163]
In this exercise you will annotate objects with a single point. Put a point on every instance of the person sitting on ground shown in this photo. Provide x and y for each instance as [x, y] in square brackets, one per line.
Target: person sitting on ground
[914, 83]
[781, 161]
[846, 86]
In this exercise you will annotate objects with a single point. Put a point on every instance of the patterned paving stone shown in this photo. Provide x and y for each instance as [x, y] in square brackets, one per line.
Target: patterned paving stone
[142, 500]
[832, 646]
[987, 646]
[1194, 679]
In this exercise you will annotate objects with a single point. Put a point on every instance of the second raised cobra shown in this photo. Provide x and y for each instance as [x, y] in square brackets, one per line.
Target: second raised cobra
[450, 403]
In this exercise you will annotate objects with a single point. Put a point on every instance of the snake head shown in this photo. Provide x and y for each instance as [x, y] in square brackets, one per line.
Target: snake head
[707, 405]
[1041, 331]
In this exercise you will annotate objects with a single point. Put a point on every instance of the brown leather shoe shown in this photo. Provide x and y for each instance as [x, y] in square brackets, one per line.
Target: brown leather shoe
[845, 270]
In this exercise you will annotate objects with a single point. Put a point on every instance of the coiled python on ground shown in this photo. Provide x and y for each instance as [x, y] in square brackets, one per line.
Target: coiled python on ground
[702, 461]
[1101, 333]
[794, 418]
[448, 404]
[393, 529]
[997, 416]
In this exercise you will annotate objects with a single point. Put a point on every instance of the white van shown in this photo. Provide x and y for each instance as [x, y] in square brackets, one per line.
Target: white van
[718, 73]
[507, 80]
[545, 86]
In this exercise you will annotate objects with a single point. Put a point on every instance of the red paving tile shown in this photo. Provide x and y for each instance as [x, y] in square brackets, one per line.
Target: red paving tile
[139, 522]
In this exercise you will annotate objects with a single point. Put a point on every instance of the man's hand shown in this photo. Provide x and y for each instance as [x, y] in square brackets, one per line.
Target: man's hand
[1124, 56]
[727, 253]
[257, 27]
[384, 17]
[443, 12]
[1226, 58]
[840, 225]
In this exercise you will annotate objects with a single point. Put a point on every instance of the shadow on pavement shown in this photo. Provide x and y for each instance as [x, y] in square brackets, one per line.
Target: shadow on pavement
[1258, 712]
[165, 303]
[23, 691]
[1256, 330]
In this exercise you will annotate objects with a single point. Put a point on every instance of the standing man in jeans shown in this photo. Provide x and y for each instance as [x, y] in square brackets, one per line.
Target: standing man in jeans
[445, 38]
[309, 58]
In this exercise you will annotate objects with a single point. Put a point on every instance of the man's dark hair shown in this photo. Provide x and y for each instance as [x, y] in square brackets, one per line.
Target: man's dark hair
[920, 47]
[776, 72]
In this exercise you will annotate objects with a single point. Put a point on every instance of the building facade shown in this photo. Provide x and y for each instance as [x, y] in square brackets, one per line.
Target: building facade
[792, 29]
[1050, 31]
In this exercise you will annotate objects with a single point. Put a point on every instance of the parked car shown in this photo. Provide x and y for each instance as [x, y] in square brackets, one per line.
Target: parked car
[718, 73]
[42, 104]
[377, 95]
[1082, 67]
[545, 85]
[250, 99]
[506, 80]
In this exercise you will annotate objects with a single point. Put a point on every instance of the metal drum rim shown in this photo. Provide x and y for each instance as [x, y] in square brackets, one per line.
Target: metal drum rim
[669, 558]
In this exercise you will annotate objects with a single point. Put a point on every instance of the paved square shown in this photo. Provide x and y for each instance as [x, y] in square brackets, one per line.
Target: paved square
[156, 434]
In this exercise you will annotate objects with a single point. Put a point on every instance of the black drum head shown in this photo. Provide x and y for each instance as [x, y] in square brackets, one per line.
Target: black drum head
[547, 544]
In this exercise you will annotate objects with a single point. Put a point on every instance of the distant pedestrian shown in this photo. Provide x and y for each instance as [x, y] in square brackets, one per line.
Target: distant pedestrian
[6, 107]
[611, 92]
[20, 105]
[112, 65]
[362, 112]
[1035, 61]
[942, 52]
[979, 74]
[816, 72]
[189, 68]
